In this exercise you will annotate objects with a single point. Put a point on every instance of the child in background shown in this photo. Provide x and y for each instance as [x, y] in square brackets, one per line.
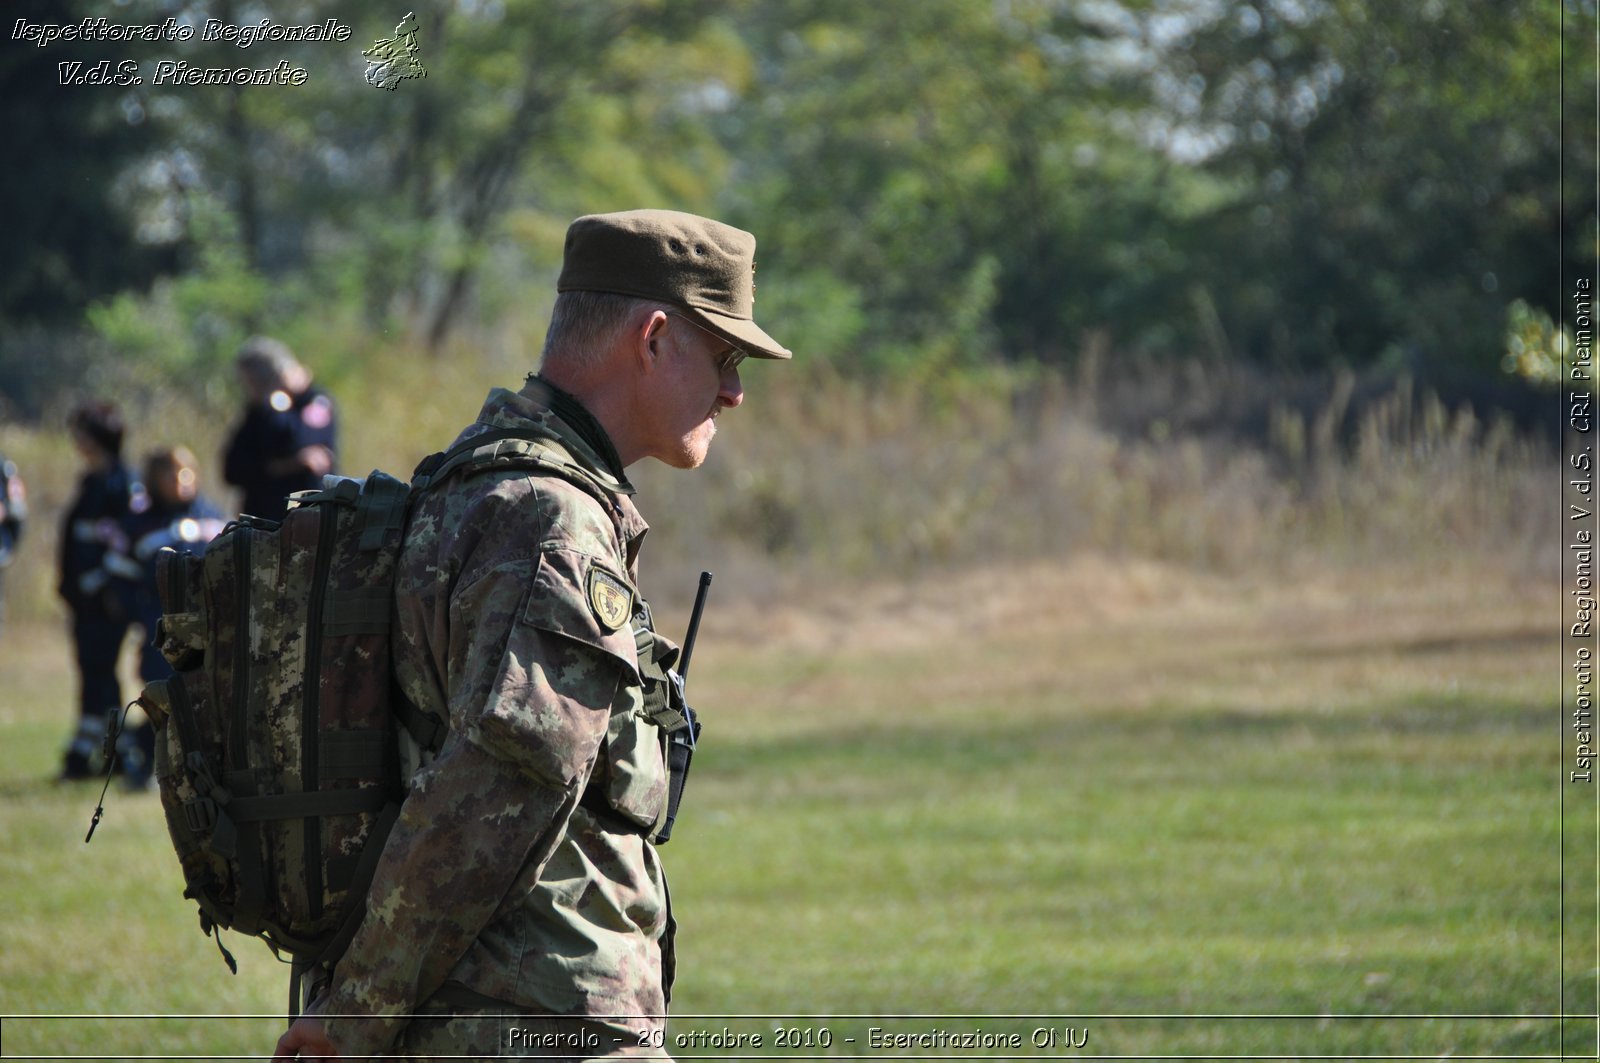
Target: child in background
[176, 515]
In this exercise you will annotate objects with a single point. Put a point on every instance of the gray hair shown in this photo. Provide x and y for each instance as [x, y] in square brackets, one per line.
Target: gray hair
[584, 324]
[266, 360]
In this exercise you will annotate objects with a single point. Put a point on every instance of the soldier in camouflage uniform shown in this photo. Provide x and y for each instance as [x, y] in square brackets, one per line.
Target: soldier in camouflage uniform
[519, 908]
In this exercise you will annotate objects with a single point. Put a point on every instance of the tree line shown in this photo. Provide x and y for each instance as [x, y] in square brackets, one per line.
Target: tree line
[935, 184]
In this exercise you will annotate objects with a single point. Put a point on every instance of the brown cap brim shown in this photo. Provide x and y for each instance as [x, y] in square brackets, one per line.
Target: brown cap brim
[702, 265]
[743, 332]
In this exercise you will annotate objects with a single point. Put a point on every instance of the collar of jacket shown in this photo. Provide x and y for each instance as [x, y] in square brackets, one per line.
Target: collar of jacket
[577, 416]
[531, 408]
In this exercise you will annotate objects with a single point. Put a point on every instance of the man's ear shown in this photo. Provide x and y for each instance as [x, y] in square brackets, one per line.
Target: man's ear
[651, 338]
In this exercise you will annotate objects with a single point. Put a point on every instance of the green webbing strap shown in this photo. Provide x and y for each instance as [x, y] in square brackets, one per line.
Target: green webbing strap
[427, 729]
[381, 510]
[657, 707]
[201, 773]
[644, 644]
[181, 711]
[353, 754]
[357, 610]
[485, 451]
[296, 973]
[252, 879]
[664, 716]
[341, 491]
[437, 467]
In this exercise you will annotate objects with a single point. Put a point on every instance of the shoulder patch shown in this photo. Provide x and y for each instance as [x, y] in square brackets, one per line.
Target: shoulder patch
[318, 413]
[609, 598]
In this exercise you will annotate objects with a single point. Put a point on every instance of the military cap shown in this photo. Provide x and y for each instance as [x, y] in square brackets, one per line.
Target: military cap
[701, 265]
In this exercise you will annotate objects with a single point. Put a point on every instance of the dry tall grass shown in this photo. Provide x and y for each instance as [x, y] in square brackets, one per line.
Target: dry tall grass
[861, 480]
[820, 476]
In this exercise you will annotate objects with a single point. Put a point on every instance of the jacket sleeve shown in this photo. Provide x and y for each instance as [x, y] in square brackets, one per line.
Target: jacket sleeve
[529, 706]
[235, 456]
[250, 445]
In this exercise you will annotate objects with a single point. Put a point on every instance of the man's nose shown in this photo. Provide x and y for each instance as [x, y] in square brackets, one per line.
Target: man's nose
[731, 391]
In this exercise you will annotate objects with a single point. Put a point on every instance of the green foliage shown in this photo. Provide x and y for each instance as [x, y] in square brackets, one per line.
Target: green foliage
[1537, 348]
[935, 185]
[967, 798]
[1392, 166]
[820, 306]
[945, 185]
[191, 325]
[70, 236]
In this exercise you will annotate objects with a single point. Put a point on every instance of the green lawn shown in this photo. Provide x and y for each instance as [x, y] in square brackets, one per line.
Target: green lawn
[1189, 820]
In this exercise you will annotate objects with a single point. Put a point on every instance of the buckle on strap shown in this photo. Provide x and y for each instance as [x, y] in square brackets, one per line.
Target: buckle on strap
[667, 718]
[200, 814]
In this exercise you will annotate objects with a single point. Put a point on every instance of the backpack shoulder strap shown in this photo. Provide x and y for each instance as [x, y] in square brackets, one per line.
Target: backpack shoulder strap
[481, 449]
[508, 448]
[500, 448]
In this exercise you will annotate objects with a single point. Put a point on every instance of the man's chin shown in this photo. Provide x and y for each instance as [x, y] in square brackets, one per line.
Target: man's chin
[693, 459]
[685, 458]
[690, 451]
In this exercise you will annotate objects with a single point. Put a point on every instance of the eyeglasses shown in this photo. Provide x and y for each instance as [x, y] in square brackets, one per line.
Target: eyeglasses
[728, 359]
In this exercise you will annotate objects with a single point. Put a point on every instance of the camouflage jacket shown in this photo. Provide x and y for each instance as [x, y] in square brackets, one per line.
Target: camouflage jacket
[516, 607]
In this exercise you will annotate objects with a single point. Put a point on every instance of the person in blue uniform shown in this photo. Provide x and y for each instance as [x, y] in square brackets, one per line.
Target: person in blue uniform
[287, 440]
[13, 515]
[107, 492]
[176, 515]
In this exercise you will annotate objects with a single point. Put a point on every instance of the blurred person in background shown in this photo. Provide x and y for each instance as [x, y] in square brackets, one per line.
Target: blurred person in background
[107, 493]
[287, 439]
[176, 515]
[13, 515]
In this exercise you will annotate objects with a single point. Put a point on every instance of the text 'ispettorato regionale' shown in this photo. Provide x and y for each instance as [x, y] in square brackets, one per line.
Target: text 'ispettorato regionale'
[103, 30]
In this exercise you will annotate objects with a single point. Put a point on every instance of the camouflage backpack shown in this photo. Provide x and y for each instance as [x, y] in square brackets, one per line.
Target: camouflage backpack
[277, 738]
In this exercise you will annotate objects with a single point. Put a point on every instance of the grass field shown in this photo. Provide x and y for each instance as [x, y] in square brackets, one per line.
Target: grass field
[1162, 814]
[1254, 749]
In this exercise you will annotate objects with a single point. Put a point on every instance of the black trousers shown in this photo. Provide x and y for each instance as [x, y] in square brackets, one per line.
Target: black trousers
[98, 639]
